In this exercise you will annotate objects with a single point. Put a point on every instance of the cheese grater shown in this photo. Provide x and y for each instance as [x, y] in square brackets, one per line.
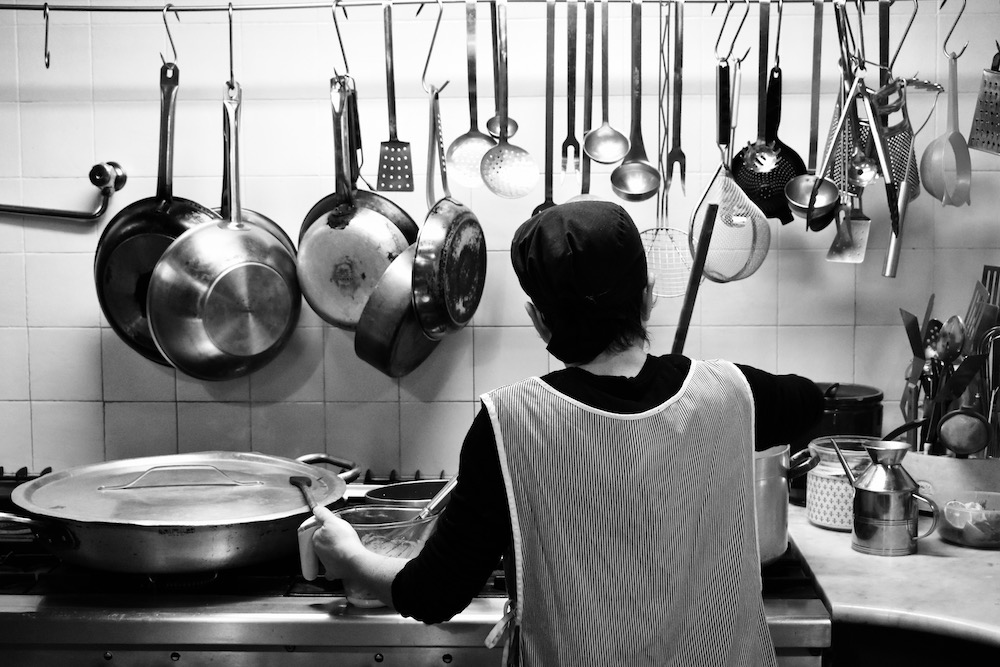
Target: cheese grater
[985, 133]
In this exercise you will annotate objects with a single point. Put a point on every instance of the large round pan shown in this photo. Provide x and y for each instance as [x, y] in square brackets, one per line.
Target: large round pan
[449, 268]
[138, 235]
[180, 513]
[224, 298]
[389, 336]
[350, 237]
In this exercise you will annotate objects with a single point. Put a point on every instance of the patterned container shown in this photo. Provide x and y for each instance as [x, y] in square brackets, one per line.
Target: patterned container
[829, 494]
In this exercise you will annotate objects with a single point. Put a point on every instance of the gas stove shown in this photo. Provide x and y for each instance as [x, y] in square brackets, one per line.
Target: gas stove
[55, 613]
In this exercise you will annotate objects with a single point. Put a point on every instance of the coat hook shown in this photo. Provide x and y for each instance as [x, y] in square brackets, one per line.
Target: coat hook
[423, 77]
[944, 47]
[166, 8]
[45, 15]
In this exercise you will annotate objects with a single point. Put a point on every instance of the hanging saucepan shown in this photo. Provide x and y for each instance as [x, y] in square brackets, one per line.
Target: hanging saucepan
[138, 235]
[181, 513]
[449, 266]
[389, 336]
[350, 237]
[224, 298]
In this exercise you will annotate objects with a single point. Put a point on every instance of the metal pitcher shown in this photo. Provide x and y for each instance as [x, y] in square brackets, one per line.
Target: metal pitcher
[885, 503]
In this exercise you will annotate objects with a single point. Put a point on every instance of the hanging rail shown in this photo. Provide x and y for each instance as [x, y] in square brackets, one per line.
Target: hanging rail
[308, 5]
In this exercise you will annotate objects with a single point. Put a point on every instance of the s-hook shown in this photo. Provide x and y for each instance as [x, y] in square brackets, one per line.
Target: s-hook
[45, 15]
[232, 77]
[340, 41]
[173, 49]
[739, 28]
[429, 88]
[944, 46]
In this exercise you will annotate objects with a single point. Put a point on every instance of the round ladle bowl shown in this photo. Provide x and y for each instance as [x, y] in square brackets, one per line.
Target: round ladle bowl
[635, 180]
[605, 144]
[799, 189]
[493, 127]
[465, 156]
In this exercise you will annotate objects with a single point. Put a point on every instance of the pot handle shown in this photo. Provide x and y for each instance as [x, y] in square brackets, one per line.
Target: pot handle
[800, 463]
[56, 536]
[905, 428]
[935, 514]
[351, 470]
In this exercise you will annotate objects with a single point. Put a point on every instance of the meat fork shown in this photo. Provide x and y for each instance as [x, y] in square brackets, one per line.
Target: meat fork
[571, 143]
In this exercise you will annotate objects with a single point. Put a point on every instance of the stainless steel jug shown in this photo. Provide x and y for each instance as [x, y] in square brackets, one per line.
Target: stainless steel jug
[885, 503]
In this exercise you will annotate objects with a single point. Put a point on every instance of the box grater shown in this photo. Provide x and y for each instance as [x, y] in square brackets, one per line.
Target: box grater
[985, 133]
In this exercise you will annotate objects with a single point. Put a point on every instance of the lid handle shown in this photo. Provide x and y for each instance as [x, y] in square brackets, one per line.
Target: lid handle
[180, 475]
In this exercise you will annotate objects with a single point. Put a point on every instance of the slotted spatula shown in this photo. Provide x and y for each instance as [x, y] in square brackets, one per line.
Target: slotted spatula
[395, 163]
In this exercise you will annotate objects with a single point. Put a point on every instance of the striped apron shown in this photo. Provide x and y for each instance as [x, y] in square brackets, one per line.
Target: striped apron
[634, 539]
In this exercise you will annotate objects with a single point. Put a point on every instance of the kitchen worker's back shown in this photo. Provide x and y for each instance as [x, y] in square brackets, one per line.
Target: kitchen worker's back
[634, 535]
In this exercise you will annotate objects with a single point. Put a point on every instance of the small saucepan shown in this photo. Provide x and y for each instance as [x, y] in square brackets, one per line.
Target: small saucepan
[224, 298]
[138, 235]
[349, 238]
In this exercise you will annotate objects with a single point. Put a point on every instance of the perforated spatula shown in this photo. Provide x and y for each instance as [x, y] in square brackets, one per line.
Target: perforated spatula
[395, 162]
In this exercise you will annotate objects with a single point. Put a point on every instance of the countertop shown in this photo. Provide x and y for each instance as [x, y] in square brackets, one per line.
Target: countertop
[942, 589]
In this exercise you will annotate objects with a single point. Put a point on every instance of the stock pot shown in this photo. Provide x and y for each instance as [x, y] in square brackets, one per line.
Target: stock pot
[183, 513]
[772, 470]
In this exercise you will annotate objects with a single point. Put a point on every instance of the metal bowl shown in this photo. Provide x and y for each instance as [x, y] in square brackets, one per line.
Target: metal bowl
[798, 191]
[416, 493]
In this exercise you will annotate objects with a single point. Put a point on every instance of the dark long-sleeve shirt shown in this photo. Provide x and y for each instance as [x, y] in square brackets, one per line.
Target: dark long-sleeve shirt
[474, 530]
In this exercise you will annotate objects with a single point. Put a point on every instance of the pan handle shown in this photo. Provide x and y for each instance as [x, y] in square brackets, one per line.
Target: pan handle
[56, 536]
[351, 469]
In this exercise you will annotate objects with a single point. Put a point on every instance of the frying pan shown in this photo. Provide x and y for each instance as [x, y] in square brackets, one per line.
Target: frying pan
[224, 297]
[449, 268]
[348, 238]
[138, 235]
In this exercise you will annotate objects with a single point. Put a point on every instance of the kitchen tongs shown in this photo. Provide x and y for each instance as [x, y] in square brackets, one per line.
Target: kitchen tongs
[854, 58]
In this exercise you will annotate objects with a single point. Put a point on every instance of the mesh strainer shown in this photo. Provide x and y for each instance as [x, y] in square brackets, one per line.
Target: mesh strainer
[742, 236]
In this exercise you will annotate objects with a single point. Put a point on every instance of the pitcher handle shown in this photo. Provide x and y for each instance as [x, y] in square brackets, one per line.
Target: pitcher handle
[800, 463]
[935, 514]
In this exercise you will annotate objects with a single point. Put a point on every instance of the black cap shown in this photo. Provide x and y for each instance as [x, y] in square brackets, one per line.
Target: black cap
[584, 267]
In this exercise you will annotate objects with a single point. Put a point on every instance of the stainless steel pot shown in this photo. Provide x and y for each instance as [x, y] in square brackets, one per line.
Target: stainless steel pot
[181, 513]
[224, 298]
[773, 468]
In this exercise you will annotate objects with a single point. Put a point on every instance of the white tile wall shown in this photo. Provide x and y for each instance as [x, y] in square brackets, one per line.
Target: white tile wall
[72, 392]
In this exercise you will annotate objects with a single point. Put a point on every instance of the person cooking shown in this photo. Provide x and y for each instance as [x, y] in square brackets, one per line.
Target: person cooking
[620, 489]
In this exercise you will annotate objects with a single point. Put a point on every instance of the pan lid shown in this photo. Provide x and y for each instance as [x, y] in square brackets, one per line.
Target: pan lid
[843, 395]
[198, 489]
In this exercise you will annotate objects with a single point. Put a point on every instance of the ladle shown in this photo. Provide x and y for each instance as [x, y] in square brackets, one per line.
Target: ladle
[466, 153]
[605, 144]
[950, 340]
[493, 124]
[635, 179]
[946, 166]
[508, 170]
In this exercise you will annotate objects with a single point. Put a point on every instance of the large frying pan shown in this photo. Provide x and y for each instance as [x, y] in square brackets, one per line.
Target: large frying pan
[199, 512]
[350, 237]
[224, 297]
[138, 235]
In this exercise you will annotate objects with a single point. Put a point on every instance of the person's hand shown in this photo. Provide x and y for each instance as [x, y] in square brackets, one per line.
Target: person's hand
[336, 543]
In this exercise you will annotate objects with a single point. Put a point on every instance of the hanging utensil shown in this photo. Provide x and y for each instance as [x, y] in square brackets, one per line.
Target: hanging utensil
[676, 155]
[588, 98]
[946, 166]
[985, 132]
[767, 189]
[550, 69]
[395, 164]
[508, 170]
[138, 235]
[493, 124]
[758, 156]
[695, 278]
[570, 144]
[605, 144]
[465, 154]
[635, 179]
[224, 298]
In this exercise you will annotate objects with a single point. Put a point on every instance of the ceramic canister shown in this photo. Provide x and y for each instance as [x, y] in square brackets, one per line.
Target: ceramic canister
[829, 494]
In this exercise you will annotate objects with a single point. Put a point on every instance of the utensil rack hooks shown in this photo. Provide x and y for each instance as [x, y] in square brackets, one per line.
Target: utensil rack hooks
[108, 177]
